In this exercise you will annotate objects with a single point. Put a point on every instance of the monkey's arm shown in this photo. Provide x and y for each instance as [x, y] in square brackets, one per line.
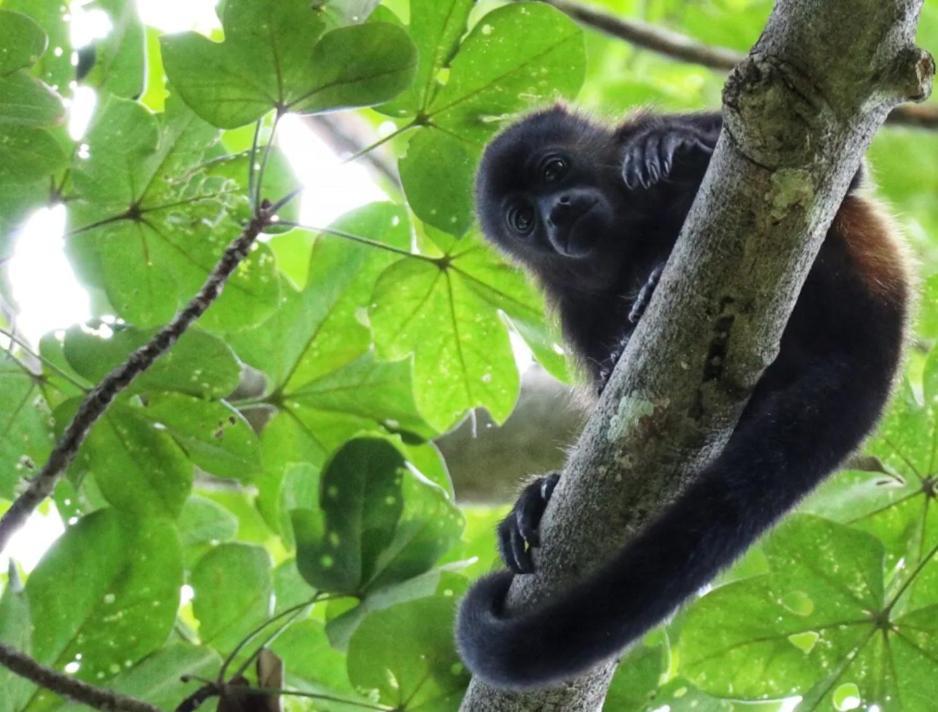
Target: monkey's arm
[787, 441]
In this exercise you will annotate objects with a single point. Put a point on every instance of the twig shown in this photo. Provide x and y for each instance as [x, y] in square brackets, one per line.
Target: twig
[677, 46]
[97, 401]
[68, 686]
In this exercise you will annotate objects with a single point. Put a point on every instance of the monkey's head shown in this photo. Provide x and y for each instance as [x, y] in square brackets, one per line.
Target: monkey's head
[549, 192]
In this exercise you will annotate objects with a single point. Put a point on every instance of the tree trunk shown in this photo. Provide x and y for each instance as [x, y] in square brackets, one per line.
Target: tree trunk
[799, 112]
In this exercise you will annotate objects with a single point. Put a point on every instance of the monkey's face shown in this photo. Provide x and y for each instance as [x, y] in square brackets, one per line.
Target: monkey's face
[548, 192]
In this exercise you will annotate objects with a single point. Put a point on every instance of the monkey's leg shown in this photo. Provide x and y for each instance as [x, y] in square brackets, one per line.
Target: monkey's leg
[788, 441]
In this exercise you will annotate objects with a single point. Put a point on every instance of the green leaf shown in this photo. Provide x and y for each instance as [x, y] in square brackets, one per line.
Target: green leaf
[55, 67]
[361, 65]
[313, 664]
[376, 522]
[28, 154]
[121, 138]
[636, 678]
[820, 625]
[16, 630]
[123, 578]
[324, 327]
[137, 466]
[516, 56]
[232, 584]
[270, 59]
[214, 436]
[406, 653]
[437, 176]
[150, 227]
[25, 434]
[120, 58]
[462, 355]
[436, 27]
[25, 101]
[158, 677]
[22, 42]
[198, 363]
[202, 521]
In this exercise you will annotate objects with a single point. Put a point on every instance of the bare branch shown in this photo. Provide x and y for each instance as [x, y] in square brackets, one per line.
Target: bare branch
[96, 402]
[677, 46]
[67, 686]
[799, 113]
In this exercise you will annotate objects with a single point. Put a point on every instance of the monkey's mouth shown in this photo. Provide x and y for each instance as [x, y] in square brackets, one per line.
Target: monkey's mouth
[579, 237]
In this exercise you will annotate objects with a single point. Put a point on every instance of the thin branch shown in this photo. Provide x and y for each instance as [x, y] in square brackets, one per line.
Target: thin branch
[67, 686]
[681, 47]
[97, 401]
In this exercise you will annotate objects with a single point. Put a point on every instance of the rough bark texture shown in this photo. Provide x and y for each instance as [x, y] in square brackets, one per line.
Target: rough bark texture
[800, 112]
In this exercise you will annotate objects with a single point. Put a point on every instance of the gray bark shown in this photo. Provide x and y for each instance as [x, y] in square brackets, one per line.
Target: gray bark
[800, 112]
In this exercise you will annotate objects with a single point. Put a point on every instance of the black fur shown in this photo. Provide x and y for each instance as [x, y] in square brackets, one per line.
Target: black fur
[630, 189]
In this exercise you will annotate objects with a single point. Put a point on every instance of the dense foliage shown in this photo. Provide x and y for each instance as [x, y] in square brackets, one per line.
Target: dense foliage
[204, 505]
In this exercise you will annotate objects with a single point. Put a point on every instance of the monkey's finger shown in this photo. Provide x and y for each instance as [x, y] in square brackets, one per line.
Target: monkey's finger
[528, 513]
[521, 552]
[505, 547]
[652, 161]
[669, 147]
[631, 168]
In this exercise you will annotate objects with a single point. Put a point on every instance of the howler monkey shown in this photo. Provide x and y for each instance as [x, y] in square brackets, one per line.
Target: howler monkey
[593, 213]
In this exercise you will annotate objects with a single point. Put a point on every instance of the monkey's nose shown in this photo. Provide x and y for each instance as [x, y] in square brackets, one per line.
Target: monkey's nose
[565, 210]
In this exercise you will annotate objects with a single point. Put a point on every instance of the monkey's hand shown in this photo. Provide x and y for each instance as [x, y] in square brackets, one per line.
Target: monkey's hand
[518, 532]
[644, 295]
[649, 155]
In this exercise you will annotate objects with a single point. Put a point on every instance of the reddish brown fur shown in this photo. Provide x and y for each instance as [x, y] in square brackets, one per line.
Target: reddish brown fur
[871, 240]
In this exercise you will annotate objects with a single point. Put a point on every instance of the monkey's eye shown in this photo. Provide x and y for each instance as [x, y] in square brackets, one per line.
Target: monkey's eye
[554, 168]
[521, 219]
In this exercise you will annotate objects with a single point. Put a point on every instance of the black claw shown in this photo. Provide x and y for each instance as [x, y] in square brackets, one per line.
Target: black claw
[522, 553]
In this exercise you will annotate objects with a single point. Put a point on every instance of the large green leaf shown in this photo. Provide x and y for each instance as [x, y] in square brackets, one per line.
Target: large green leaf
[443, 312]
[214, 436]
[436, 27]
[25, 433]
[198, 363]
[136, 465]
[819, 625]
[406, 653]
[271, 59]
[28, 154]
[16, 630]
[55, 65]
[22, 42]
[320, 329]
[437, 174]
[376, 522]
[120, 58]
[105, 594]
[149, 228]
[232, 593]
[158, 678]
